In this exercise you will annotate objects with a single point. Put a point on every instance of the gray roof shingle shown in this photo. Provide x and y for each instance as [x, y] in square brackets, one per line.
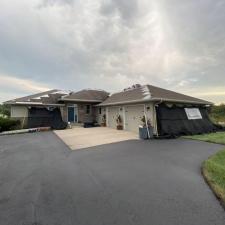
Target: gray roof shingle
[45, 98]
[150, 93]
[87, 95]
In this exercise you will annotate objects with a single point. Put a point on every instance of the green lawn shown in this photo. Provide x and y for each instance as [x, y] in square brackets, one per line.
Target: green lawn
[213, 169]
[218, 137]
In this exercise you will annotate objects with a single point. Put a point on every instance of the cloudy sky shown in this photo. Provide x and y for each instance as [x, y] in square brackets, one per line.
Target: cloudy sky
[111, 44]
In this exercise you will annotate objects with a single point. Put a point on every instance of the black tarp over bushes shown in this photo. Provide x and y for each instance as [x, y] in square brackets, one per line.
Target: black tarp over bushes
[42, 117]
[173, 121]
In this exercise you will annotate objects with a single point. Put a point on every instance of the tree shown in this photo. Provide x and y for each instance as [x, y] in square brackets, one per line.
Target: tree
[5, 110]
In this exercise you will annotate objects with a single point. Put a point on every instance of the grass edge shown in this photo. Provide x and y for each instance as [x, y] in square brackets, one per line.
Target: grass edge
[211, 185]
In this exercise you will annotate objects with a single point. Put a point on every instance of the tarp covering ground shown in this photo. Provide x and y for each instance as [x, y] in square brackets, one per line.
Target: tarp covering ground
[42, 117]
[173, 121]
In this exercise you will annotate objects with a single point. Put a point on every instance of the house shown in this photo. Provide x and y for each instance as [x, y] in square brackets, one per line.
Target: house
[168, 112]
[52, 108]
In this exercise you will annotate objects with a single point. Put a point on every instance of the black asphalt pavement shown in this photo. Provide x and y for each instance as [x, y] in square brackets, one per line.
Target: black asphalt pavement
[157, 182]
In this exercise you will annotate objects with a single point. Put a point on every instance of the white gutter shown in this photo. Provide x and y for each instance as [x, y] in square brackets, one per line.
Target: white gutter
[35, 103]
[180, 101]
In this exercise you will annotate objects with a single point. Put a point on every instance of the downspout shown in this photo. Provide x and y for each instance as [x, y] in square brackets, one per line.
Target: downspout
[146, 122]
[22, 125]
[156, 104]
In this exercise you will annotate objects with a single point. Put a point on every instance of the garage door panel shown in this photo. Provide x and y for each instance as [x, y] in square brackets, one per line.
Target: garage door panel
[112, 115]
[134, 115]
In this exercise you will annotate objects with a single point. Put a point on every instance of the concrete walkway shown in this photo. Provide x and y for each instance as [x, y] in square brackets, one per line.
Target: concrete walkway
[79, 137]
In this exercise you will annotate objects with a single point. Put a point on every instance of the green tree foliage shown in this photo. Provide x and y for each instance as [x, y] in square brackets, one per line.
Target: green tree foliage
[5, 110]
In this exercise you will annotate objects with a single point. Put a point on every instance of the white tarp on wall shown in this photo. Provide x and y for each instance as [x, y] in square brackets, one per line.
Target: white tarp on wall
[193, 113]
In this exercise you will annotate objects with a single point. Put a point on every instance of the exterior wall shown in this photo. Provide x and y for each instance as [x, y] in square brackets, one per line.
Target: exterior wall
[98, 115]
[82, 115]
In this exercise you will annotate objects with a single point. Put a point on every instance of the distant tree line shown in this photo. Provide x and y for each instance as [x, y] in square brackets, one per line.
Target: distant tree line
[217, 113]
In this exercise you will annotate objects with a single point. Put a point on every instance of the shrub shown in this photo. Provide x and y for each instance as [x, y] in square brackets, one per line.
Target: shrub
[7, 124]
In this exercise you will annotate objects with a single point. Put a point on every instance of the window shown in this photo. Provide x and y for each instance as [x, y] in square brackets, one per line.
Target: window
[88, 109]
[100, 110]
[193, 113]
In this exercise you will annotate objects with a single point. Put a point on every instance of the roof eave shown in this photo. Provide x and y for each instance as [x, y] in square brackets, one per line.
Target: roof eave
[153, 100]
[34, 104]
[182, 101]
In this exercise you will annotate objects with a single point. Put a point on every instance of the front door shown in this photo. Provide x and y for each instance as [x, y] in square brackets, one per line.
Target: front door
[71, 114]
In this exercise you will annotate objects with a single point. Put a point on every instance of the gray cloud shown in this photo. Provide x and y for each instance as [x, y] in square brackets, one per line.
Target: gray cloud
[128, 10]
[109, 44]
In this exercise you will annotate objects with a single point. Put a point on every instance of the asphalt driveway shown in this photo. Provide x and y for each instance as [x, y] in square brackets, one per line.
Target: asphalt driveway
[42, 182]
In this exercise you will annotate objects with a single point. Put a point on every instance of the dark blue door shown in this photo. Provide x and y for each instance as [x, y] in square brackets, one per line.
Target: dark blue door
[71, 114]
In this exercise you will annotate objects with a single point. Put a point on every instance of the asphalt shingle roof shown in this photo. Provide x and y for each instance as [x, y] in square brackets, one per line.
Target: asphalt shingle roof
[136, 94]
[87, 95]
[150, 93]
[47, 97]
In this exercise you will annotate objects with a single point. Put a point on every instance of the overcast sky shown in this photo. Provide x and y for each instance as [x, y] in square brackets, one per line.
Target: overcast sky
[111, 44]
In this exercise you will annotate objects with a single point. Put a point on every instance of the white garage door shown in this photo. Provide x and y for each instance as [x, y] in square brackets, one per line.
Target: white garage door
[133, 117]
[112, 115]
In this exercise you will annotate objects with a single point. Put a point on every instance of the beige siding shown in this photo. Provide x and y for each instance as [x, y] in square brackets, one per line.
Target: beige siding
[19, 111]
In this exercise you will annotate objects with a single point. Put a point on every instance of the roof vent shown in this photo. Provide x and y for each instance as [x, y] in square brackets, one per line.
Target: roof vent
[134, 86]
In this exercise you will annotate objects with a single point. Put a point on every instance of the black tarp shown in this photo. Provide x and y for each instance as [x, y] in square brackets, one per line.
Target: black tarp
[173, 121]
[42, 117]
